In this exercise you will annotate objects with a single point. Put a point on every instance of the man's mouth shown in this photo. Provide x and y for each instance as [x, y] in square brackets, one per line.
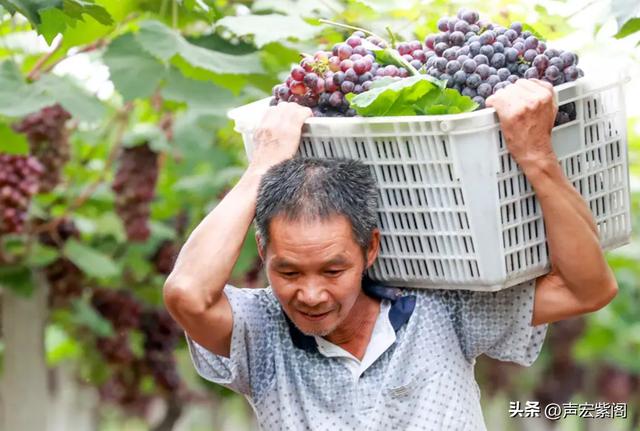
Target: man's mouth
[315, 316]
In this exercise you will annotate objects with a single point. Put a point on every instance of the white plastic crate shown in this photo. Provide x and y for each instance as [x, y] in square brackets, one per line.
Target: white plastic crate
[455, 210]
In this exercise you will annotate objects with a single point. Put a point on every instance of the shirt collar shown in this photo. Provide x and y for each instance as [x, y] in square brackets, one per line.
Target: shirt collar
[399, 313]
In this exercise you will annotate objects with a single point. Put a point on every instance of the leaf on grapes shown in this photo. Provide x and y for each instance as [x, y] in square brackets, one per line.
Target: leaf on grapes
[396, 98]
[146, 133]
[53, 22]
[629, 27]
[17, 279]
[165, 44]
[530, 29]
[444, 101]
[203, 95]
[12, 142]
[77, 8]
[624, 11]
[30, 8]
[89, 260]
[134, 72]
[269, 28]
[18, 99]
[80, 103]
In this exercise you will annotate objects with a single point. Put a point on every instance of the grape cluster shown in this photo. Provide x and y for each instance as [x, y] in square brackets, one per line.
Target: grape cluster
[161, 336]
[48, 139]
[478, 58]
[321, 82]
[165, 257]
[118, 306]
[134, 185]
[19, 181]
[66, 282]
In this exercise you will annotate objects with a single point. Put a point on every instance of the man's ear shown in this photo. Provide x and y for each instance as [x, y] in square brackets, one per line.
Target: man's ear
[374, 245]
[259, 245]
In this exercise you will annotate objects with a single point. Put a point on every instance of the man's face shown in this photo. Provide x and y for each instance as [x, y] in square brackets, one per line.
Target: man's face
[315, 270]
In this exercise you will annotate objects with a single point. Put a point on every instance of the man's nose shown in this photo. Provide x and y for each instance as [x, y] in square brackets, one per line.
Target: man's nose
[312, 295]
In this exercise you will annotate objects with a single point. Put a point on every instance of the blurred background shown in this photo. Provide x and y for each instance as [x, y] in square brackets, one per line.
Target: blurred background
[124, 103]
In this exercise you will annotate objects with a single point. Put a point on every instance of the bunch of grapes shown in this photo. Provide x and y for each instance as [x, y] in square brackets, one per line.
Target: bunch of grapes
[321, 82]
[19, 181]
[135, 184]
[118, 306]
[161, 336]
[478, 58]
[66, 282]
[165, 257]
[116, 349]
[48, 139]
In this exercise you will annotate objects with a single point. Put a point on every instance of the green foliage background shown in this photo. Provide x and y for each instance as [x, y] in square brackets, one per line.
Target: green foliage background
[190, 61]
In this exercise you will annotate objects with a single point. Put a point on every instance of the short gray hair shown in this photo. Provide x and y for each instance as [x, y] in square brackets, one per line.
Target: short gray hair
[310, 189]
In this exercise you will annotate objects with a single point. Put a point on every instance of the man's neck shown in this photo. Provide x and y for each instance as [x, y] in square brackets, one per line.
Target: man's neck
[354, 334]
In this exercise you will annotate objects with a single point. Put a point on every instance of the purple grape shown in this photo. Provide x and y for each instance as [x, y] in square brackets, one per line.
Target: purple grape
[450, 54]
[493, 80]
[571, 73]
[568, 58]
[531, 42]
[498, 60]
[557, 62]
[531, 73]
[517, 27]
[446, 77]
[416, 64]
[486, 50]
[460, 77]
[338, 78]
[511, 55]
[488, 37]
[498, 47]
[511, 35]
[347, 87]
[415, 45]
[351, 75]
[441, 48]
[483, 70]
[552, 73]
[469, 66]
[551, 53]
[513, 78]
[442, 37]
[522, 68]
[441, 64]
[529, 55]
[484, 90]
[470, 16]
[473, 80]
[480, 101]
[474, 48]
[354, 41]
[461, 26]
[403, 48]
[452, 67]
[443, 24]
[541, 62]
[429, 41]
[336, 99]
[360, 67]
[481, 59]
[474, 28]
[469, 92]
[391, 70]
[503, 74]
[457, 38]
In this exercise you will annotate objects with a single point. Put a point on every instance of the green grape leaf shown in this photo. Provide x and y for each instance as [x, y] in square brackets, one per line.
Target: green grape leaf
[625, 11]
[396, 98]
[12, 142]
[18, 99]
[17, 279]
[629, 27]
[76, 8]
[30, 8]
[165, 44]
[147, 133]
[269, 28]
[446, 101]
[76, 100]
[53, 22]
[42, 255]
[89, 260]
[202, 95]
[134, 72]
[530, 29]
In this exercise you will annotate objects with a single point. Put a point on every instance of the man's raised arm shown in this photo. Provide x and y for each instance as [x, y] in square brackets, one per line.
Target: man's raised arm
[580, 280]
[193, 292]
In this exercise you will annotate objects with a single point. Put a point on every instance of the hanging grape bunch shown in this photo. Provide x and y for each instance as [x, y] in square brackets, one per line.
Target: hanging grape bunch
[478, 58]
[161, 337]
[473, 56]
[135, 184]
[19, 181]
[48, 139]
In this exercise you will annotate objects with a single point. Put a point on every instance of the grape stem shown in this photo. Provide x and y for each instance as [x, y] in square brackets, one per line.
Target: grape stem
[392, 36]
[351, 27]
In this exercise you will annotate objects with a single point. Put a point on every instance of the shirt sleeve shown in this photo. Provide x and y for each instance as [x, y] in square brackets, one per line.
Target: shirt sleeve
[498, 324]
[250, 365]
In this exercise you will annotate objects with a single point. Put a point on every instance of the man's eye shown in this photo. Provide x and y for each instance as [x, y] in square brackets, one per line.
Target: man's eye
[289, 274]
[334, 271]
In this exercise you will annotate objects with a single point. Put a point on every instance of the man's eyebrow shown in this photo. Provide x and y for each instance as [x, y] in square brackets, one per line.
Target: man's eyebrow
[283, 263]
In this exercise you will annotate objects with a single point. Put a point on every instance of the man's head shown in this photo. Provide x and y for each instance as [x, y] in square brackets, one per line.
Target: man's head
[316, 228]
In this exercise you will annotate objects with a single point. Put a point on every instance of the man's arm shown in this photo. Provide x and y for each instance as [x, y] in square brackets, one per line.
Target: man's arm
[193, 292]
[580, 281]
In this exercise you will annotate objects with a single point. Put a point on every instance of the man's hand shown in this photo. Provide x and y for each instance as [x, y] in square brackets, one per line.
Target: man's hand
[278, 136]
[527, 111]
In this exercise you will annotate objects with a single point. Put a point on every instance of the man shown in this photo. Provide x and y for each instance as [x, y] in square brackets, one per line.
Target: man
[324, 348]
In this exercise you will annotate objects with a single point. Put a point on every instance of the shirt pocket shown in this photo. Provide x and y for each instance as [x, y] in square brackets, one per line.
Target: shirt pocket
[411, 388]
